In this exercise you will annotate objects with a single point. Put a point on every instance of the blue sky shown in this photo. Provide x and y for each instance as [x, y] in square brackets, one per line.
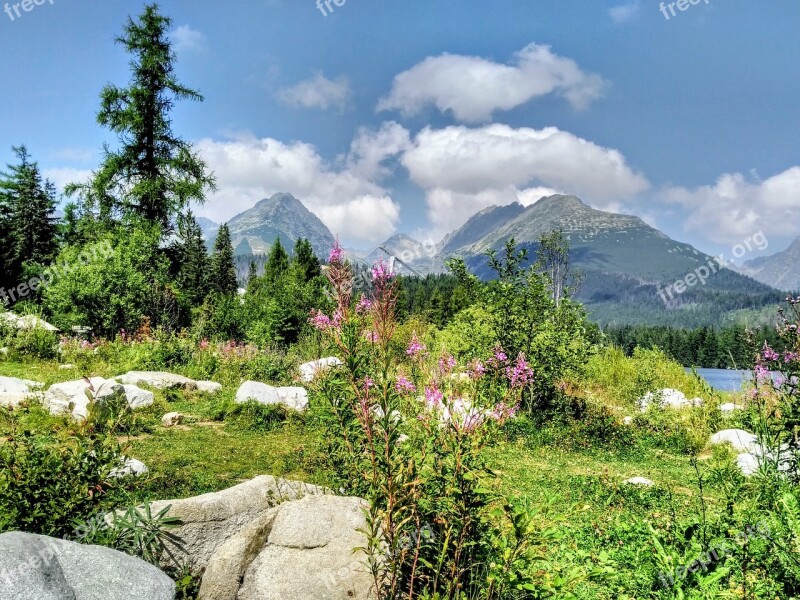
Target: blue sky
[410, 116]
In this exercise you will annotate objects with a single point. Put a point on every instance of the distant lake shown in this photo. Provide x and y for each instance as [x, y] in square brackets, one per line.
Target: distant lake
[725, 380]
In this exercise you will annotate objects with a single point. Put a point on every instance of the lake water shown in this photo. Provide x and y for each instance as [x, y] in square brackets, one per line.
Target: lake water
[725, 380]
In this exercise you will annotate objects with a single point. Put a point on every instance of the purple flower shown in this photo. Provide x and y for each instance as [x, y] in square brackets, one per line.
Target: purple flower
[320, 320]
[404, 385]
[476, 369]
[415, 347]
[446, 363]
[381, 273]
[364, 304]
[336, 255]
[372, 336]
[520, 374]
[433, 397]
[761, 373]
[368, 383]
[789, 357]
[768, 353]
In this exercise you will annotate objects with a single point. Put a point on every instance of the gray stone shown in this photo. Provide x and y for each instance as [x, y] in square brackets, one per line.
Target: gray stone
[227, 566]
[59, 396]
[171, 419]
[309, 370]
[643, 481]
[739, 439]
[211, 519]
[208, 387]
[130, 468]
[159, 380]
[667, 398]
[292, 397]
[311, 553]
[729, 407]
[14, 385]
[34, 567]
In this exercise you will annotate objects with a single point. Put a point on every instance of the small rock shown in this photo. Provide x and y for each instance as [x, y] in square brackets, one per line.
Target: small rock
[729, 407]
[666, 398]
[208, 387]
[66, 367]
[309, 370]
[131, 467]
[639, 481]
[172, 419]
[627, 421]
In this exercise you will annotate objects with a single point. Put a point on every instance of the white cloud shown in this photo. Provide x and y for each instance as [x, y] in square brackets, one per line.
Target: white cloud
[465, 169]
[62, 176]
[184, 38]
[734, 207]
[370, 149]
[318, 92]
[80, 155]
[472, 88]
[346, 198]
[624, 12]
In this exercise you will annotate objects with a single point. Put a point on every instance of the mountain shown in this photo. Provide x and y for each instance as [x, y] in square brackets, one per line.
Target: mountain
[629, 268]
[414, 256]
[208, 227]
[280, 217]
[781, 270]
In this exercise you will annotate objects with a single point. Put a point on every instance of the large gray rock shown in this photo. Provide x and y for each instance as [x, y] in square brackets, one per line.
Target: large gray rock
[208, 387]
[310, 553]
[34, 567]
[159, 380]
[739, 439]
[130, 467]
[309, 370]
[212, 519]
[14, 391]
[292, 397]
[668, 398]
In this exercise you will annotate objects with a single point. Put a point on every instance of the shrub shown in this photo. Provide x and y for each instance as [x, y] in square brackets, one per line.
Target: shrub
[254, 416]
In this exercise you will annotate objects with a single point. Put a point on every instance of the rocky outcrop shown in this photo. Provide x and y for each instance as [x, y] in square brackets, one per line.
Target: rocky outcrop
[211, 520]
[739, 439]
[309, 553]
[158, 380]
[292, 397]
[70, 397]
[34, 567]
[668, 398]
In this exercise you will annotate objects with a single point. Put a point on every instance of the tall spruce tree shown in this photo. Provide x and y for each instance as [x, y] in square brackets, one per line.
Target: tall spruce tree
[305, 259]
[154, 174]
[27, 219]
[192, 258]
[223, 268]
[277, 263]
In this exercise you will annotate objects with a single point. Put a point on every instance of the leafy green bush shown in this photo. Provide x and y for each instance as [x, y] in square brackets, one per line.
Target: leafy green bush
[254, 416]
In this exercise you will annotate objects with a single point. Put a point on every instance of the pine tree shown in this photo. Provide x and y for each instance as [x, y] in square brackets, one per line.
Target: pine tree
[27, 221]
[192, 260]
[252, 272]
[154, 174]
[277, 263]
[223, 269]
[305, 259]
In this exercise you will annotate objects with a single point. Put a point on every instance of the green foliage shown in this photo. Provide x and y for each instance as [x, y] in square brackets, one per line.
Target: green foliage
[254, 416]
[222, 275]
[111, 284]
[191, 260]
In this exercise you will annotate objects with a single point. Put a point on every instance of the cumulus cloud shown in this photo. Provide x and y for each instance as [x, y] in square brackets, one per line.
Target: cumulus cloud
[184, 38]
[318, 92]
[734, 207]
[472, 88]
[465, 169]
[346, 197]
[623, 13]
[62, 176]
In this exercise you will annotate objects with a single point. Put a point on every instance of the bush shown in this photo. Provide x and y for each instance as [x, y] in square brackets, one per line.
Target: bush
[254, 416]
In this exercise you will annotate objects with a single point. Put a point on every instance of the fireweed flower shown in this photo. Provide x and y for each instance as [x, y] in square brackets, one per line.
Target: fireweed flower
[768, 353]
[476, 369]
[433, 397]
[446, 364]
[336, 255]
[761, 373]
[381, 273]
[519, 374]
[368, 383]
[789, 357]
[415, 347]
[320, 320]
[363, 306]
[404, 385]
[372, 336]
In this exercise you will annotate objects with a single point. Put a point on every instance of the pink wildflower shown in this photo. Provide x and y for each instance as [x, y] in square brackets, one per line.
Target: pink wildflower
[320, 320]
[768, 353]
[404, 385]
[761, 373]
[204, 344]
[381, 273]
[476, 369]
[415, 347]
[336, 254]
[372, 336]
[364, 304]
[446, 364]
[433, 397]
[520, 374]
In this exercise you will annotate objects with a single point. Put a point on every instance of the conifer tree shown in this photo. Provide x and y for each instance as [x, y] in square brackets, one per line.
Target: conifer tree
[223, 268]
[305, 259]
[154, 174]
[192, 259]
[277, 263]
